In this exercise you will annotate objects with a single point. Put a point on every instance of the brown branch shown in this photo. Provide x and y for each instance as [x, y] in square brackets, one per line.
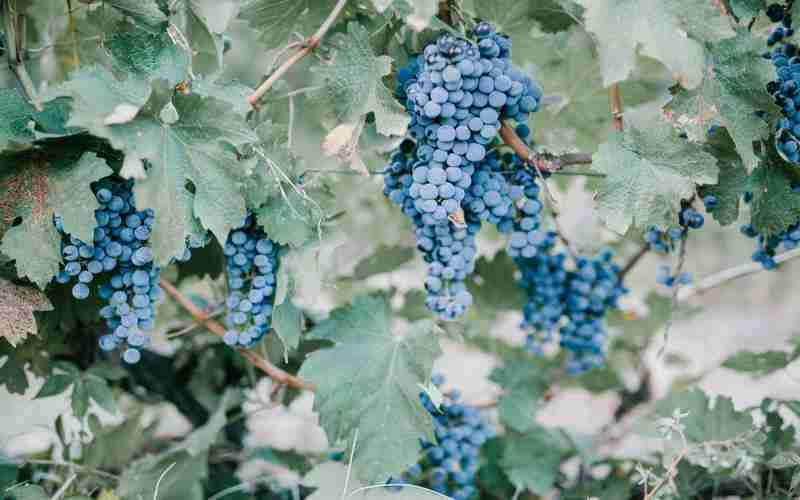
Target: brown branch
[544, 162]
[633, 261]
[218, 329]
[616, 107]
[672, 471]
[445, 14]
[306, 49]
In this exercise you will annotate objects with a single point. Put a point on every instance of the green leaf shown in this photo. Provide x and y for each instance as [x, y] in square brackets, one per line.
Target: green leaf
[414, 307]
[331, 481]
[648, 172]
[775, 206]
[145, 11]
[291, 220]
[720, 423]
[746, 9]
[17, 306]
[732, 178]
[115, 447]
[191, 22]
[276, 20]
[146, 55]
[383, 260]
[618, 42]
[36, 193]
[100, 392]
[369, 382]
[531, 461]
[15, 120]
[743, 76]
[352, 83]
[494, 286]
[524, 383]
[80, 399]
[29, 492]
[55, 384]
[196, 149]
[287, 320]
[759, 364]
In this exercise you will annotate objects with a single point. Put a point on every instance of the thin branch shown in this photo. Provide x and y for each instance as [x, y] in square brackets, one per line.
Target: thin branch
[544, 162]
[78, 467]
[308, 47]
[671, 473]
[633, 261]
[616, 107]
[674, 296]
[720, 278]
[218, 329]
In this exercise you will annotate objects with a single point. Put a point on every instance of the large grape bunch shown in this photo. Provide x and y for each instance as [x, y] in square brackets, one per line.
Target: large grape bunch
[456, 92]
[785, 89]
[120, 265]
[252, 266]
[449, 466]
[564, 294]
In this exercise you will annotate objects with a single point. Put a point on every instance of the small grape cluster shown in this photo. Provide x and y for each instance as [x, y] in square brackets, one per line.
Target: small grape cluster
[252, 266]
[784, 90]
[666, 241]
[768, 247]
[446, 180]
[120, 256]
[449, 466]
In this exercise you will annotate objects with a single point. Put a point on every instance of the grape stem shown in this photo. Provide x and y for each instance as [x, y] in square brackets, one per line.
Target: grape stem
[633, 261]
[616, 107]
[543, 161]
[720, 278]
[218, 329]
[305, 49]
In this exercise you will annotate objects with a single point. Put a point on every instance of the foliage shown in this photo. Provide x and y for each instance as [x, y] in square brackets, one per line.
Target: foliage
[328, 403]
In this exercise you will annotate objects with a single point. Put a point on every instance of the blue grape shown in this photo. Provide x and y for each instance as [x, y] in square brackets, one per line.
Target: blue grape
[450, 464]
[252, 263]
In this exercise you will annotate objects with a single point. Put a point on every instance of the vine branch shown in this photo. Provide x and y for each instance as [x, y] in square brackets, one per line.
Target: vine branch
[218, 329]
[544, 162]
[307, 47]
[633, 261]
[616, 107]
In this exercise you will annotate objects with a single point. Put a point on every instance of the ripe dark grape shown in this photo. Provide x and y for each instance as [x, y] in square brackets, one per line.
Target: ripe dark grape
[252, 267]
[449, 466]
[784, 89]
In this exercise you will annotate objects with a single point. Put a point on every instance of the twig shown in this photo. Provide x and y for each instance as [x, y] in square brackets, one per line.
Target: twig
[161, 478]
[671, 473]
[308, 47]
[579, 173]
[64, 487]
[616, 107]
[15, 50]
[633, 261]
[674, 298]
[551, 203]
[218, 329]
[195, 325]
[545, 162]
[78, 467]
[720, 278]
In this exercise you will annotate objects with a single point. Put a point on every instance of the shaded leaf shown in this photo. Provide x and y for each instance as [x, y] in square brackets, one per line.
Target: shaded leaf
[732, 178]
[759, 364]
[369, 382]
[531, 461]
[383, 260]
[775, 206]
[524, 383]
[17, 305]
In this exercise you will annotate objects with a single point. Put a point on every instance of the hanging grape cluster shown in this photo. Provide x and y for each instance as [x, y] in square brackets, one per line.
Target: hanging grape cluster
[120, 264]
[445, 179]
[449, 466]
[252, 266]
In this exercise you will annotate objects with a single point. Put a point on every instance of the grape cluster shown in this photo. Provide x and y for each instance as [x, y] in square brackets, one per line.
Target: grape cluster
[446, 180]
[119, 258]
[768, 247]
[784, 89]
[449, 465]
[666, 241]
[252, 266]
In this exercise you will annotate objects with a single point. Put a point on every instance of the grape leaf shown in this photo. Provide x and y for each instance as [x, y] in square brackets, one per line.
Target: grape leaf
[330, 481]
[15, 119]
[732, 178]
[743, 76]
[648, 171]
[383, 260]
[36, 193]
[775, 206]
[287, 320]
[29, 492]
[760, 364]
[658, 29]
[291, 220]
[190, 23]
[276, 20]
[524, 383]
[720, 423]
[493, 285]
[745, 9]
[369, 383]
[147, 55]
[17, 305]
[352, 83]
[144, 11]
[531, 460]
[194, 148]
